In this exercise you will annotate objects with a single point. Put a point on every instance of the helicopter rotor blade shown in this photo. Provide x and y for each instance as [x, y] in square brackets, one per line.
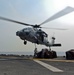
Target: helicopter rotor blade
[6, 19]
[59, 14]
[54, 28]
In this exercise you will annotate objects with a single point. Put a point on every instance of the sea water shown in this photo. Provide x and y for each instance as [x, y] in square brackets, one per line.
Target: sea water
[29, 53]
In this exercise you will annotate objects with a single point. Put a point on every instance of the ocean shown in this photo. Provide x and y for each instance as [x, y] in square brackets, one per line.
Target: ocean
[29, 53]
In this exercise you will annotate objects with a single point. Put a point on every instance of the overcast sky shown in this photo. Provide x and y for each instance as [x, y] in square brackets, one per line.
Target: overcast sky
[35, 12]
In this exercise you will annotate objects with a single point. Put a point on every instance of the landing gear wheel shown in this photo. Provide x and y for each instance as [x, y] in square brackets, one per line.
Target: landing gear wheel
[37, 42]
[25, 42]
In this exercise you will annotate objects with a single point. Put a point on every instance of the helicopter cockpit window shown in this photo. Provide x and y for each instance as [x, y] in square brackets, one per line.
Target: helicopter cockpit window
[45, 34]
[26, 30]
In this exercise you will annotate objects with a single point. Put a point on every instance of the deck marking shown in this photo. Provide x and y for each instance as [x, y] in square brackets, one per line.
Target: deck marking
[53, 69]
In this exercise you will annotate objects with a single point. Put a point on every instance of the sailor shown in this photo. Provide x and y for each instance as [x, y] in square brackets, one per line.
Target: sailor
[35, 52]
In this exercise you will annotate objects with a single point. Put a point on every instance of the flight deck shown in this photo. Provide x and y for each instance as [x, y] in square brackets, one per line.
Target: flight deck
[30, 66]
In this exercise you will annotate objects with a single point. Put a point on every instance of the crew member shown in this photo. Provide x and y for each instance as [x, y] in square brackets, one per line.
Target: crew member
[35, 52]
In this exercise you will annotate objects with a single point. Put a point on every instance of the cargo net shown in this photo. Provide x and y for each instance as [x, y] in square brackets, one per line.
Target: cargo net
[45, 53]
[70, 54]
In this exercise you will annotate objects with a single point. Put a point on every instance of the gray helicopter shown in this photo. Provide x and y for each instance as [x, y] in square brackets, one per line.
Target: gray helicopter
[34, 33]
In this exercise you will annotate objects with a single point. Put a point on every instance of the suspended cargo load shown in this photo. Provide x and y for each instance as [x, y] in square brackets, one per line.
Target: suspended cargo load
[45, 53]
[70, 54]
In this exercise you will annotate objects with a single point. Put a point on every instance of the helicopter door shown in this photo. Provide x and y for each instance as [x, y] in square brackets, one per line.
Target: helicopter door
[44, 36]
[41, 35]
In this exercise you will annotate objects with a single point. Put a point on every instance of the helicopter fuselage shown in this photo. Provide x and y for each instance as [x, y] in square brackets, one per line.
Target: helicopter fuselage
[33, 35]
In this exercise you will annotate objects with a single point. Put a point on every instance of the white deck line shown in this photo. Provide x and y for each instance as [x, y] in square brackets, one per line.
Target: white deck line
[53, 69]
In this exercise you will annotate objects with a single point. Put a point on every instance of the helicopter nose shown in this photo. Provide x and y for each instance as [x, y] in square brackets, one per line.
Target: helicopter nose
[17, 33]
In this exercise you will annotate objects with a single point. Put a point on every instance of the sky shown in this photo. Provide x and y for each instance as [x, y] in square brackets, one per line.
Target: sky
[35, 12]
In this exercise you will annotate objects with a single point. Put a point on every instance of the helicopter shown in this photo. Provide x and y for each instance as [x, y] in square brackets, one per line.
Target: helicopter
[35, 34]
